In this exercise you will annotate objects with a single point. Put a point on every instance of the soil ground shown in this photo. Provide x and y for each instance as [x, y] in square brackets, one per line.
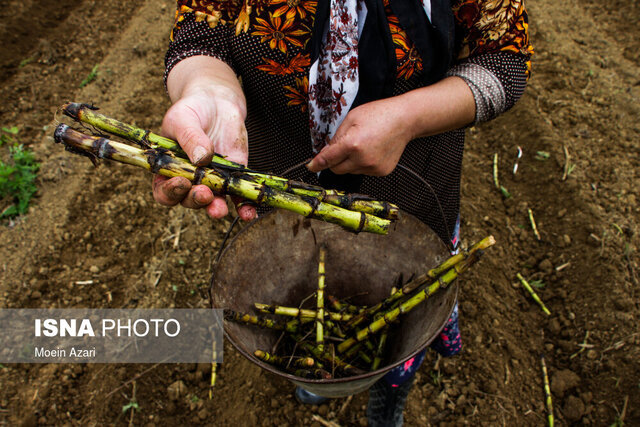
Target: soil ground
[101, 226]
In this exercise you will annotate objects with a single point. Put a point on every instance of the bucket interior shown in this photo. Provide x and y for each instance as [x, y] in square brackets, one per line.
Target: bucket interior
[274, 260]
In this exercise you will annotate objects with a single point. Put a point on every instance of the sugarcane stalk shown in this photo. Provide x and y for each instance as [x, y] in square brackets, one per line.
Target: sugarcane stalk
[313, 373]
[547, 391]
[320, 300]
[356, 202]
[390, 316]
[300, 312]
[214, 369]
[261, 322]
[330, 359]
[421, 281]
[533, 293]
[334, 328]
[377, 360]
[164, 163]
[341, 307]
[303, 362]
[533, 224]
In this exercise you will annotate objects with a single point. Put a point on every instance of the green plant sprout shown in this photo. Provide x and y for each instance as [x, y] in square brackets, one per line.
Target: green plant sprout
[91, 77]
[17, 181]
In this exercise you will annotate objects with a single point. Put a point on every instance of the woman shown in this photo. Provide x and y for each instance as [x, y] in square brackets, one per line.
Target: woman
[375, 92]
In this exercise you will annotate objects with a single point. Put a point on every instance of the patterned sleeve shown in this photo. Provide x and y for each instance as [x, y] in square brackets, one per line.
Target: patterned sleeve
[494, 54]
[202, 28]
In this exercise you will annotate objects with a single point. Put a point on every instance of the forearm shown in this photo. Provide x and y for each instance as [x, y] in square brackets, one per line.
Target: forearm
[205, 75]
[446, 105]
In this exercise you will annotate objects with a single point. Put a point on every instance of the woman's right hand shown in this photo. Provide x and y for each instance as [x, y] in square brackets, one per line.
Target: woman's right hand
[206, 117]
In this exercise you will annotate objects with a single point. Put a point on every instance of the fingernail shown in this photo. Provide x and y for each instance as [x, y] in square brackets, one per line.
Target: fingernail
[199, 153]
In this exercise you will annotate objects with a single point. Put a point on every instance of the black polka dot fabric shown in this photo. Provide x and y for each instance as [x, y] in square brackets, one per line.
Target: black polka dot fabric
[427, 181]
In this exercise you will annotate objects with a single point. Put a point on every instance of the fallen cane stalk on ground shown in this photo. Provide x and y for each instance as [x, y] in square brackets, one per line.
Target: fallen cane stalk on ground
[165, 163]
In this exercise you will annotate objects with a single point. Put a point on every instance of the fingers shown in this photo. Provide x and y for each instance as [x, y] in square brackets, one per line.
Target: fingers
[170, 192]
[330, 156]
[200, 196]
[246, 210]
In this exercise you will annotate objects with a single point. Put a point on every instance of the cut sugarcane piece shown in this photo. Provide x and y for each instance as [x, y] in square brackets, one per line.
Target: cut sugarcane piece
[165, 163]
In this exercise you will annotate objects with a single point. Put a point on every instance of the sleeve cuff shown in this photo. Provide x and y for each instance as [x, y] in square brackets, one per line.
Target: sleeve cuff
[488, 91]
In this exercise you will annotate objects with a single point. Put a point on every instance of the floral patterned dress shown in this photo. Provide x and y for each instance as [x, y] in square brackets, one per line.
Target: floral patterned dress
[266, 42]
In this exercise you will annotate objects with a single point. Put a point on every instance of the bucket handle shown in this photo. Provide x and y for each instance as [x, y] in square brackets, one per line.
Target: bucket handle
[411, 172]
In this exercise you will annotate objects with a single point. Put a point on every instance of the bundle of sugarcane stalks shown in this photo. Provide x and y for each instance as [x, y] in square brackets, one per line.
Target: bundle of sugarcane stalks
[337, 339]
[164, 156]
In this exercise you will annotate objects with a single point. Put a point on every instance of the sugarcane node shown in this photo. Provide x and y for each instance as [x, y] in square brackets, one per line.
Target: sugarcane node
[264, 191]
[198, 175]
[72, 109]
[58, 134]
[102, 148]
[144, 141]
[313, 202]
[157, 159]
[363, 219]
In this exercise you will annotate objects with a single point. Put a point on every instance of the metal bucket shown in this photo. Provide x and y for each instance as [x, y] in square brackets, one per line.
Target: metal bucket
[274, 260]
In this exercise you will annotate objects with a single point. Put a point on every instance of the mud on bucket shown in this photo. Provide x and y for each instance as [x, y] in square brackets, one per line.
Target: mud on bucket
[274, 260]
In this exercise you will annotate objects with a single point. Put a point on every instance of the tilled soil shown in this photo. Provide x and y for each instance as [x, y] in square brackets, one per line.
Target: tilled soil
[101, 228]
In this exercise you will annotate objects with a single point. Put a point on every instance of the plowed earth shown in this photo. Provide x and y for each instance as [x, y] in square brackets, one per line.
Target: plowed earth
[101, 227]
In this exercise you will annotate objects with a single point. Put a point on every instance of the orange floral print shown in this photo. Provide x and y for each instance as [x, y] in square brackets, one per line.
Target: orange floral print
[278, 33]
[291, 8]
[297, 64]
[299, 95]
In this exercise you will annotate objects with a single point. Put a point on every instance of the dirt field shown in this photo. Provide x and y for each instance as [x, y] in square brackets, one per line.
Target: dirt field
[102, 225]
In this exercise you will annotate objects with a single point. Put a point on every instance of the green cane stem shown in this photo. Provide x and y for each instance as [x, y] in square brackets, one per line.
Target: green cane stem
[388, 317]
[330, 360]
[547, 392]
[303, 362]
[356, 202]
[377, 360]
[249, 319]
[320, 300]
[533, 293]
[300, 312]
[165, 163]
[421, 280]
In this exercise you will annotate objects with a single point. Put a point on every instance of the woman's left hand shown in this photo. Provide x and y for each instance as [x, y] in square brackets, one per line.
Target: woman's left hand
[372, 137]
[369, 141]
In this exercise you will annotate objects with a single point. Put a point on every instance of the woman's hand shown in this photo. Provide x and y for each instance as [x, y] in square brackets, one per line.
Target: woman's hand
[369, 141]
[373, 136]
[207, 116]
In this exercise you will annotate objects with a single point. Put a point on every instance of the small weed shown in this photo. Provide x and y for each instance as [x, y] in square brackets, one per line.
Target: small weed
[618, 229]
[91, 77]
[8, 134]
[195, 398]
[542, 155]
[539, 284]
[617, 423]
[17, 180]
[504, 192]
[435, 377]
[26, 61]
[133, 406]
[570, 169]
[174, 288]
